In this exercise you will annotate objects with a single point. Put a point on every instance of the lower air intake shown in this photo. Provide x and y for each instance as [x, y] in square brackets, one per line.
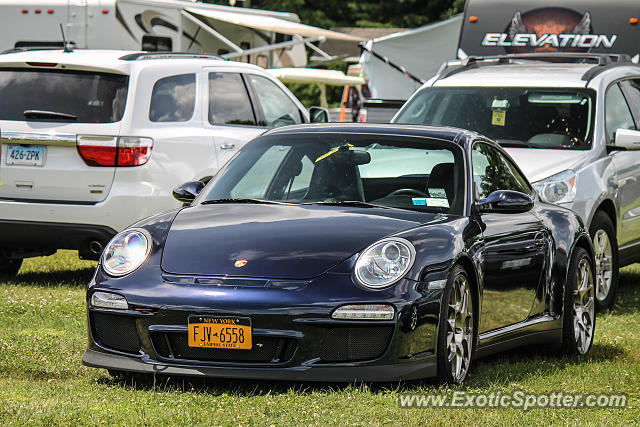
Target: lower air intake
[115, 332]
[175, 345]
[352, 344]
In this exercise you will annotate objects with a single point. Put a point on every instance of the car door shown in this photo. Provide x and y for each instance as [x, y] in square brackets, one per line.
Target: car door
[231, 113]
[514, 250]
[618, 100]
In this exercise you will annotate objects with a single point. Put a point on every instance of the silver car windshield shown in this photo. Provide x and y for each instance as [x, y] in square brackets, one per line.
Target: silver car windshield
[512, 116]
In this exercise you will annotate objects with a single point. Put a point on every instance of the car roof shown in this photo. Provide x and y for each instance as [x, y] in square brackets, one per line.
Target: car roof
[455, 135]
[517, 74]
[533, 73]
[105, 60]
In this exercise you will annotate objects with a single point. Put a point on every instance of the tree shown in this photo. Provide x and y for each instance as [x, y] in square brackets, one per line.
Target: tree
[360, 13]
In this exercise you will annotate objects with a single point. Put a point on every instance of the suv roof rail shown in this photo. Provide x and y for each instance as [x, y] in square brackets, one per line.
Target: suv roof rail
[599, 59]
[140, 56]
[29, 49]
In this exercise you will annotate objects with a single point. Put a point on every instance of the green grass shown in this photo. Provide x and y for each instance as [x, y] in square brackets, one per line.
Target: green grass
[42, 338]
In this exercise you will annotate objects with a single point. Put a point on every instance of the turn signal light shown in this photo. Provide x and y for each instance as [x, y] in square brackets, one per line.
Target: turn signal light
[109, 300]
[364, 312]
[114, 151]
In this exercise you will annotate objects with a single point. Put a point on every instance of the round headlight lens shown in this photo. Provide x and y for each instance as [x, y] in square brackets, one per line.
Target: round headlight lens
[126, 252]
[384, 263]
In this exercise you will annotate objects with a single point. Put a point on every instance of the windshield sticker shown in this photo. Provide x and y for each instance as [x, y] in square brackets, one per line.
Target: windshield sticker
[335, 150]
[498, 117]
[437, 193]
[500, 104]
[430, 201]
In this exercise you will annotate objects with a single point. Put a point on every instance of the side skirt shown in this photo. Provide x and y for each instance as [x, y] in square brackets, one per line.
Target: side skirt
[539, 330]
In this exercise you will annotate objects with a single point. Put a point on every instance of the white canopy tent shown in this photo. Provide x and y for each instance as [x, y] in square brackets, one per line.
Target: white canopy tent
[322, 78]
[420, 51]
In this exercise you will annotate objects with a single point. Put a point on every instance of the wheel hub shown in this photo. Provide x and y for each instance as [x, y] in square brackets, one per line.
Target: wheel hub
[583, 306]
[603, 264]
[459, 328]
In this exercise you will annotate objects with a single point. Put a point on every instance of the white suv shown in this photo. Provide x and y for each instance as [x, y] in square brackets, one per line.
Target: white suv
[94, 140]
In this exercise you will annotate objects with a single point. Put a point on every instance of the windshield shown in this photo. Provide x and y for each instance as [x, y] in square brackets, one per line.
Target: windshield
[362, 170]
[527, 117]
[78, 96]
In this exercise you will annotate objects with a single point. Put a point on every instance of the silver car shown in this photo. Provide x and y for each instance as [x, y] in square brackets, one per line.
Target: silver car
[571, 121]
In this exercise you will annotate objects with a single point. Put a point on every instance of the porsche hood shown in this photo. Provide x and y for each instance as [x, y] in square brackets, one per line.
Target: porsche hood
[275, 241]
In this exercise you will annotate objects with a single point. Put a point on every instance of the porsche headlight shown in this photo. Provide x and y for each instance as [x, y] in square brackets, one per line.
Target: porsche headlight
[558, 188]
[384, 263]
[126, 252]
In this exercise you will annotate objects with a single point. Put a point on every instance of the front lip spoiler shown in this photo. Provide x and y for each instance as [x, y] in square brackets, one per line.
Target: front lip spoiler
[425, 368]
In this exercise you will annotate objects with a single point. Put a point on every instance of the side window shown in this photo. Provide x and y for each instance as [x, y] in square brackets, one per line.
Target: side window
[277, 106]
[632, 91]
[229, 102]
[492, 171]
[173, 99]
[255, 182]
[617, 114]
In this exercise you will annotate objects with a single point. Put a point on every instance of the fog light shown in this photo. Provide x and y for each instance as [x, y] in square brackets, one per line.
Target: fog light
[364, 312]
[109, 300]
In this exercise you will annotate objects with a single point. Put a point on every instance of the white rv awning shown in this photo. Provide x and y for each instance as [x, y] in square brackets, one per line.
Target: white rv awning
[270, 23]
[312, 75]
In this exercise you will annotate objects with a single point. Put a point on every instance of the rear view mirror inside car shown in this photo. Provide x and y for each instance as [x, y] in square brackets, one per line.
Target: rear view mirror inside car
[556, 98]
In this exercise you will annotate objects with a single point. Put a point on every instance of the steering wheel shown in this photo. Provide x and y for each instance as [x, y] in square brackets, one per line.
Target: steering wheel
[411, 191]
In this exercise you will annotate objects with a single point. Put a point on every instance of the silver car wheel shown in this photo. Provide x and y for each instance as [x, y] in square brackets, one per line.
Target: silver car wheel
[459, 328]
[583, 306]
[604, 264]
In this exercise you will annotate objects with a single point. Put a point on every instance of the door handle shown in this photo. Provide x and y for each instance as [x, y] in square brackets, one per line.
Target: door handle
[227, 146]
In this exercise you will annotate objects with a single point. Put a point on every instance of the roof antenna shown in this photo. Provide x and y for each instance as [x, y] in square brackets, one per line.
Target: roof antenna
[67, 46]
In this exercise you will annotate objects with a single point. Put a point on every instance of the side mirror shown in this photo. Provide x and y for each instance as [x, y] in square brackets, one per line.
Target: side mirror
[187, 192]
[505, 201]
[319, 115]
[627, 139]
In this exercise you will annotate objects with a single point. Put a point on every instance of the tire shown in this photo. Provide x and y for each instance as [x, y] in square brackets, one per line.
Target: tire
[579, 313]
[605, 246]
[456, 328]
[9, 267]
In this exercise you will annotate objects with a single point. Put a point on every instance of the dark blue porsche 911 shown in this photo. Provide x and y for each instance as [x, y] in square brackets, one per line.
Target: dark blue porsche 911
[345, 253]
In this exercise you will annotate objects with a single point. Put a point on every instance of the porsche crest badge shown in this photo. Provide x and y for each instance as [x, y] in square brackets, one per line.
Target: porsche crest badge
[241, 263]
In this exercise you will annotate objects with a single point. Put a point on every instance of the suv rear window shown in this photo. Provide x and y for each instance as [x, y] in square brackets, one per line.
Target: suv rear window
[75, 96]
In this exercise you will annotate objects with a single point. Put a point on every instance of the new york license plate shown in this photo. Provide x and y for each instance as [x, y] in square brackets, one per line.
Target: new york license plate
[27, 155]
[232, 333]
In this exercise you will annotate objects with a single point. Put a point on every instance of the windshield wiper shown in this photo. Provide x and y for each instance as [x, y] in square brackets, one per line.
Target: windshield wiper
[41, 114]
[518, 143]
[247, 201]
[355, 203]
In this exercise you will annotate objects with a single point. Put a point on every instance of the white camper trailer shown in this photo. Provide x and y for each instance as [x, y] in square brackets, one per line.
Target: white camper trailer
[265, 38]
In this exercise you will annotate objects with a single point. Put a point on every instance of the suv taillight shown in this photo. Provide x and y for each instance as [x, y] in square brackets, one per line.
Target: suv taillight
[114, 151]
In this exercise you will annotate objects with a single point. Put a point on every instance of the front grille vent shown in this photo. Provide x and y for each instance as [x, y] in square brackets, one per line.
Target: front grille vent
[115, 332]
[357, 343]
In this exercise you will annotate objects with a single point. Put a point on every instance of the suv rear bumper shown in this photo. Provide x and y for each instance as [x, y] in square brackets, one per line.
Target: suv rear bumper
[31, 237]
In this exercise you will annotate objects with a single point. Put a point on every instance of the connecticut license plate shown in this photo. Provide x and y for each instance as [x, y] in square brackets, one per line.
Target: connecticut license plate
[232, 333]
[28, 155]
